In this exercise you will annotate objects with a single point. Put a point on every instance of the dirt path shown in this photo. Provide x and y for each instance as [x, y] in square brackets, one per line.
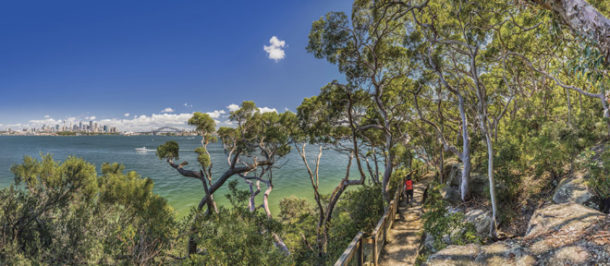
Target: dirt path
[403, 240]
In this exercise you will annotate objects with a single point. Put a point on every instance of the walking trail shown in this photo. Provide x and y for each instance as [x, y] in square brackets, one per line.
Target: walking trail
[404, 239]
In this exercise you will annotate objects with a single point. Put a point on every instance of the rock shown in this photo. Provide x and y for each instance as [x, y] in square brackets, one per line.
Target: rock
[450, 194]
[457, 233]
[429, 243]
[504, 253]
[481, 220]
[574, 189]
[454, 175]
[558, 234]
[452, 209]
[569, 255]
[567, 216]
[446, 239]
[479, 184]
[455, 255]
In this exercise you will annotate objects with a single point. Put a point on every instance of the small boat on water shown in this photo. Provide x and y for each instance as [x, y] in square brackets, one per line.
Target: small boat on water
[143, 149]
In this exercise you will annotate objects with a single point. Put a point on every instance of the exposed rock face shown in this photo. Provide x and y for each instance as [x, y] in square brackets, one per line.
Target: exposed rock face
[429, 243]
[574, 189]
[450, 194]
[481, 220]
[479, 183]
[454, 174]
[558, 234]
[574, 217]
[455, 255]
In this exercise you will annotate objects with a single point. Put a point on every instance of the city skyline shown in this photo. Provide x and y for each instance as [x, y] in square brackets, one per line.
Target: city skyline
[132, 122]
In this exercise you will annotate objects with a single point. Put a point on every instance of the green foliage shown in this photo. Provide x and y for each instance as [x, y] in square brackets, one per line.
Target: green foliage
[599, 171]
[69, 215]
[438, 222]
[365, 207]
[237, 236]
[203, 157]
[358, 209]
[169, 150]
[299, 221]
[203, 123]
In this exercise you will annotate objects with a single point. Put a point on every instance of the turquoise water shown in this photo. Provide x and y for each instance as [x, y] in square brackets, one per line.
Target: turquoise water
[182, 193]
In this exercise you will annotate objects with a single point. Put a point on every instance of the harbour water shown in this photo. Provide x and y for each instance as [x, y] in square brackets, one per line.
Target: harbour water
[182, 193]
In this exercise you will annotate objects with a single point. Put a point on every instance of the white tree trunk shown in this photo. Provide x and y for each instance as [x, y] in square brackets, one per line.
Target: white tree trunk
[464, 186]
[490, 174]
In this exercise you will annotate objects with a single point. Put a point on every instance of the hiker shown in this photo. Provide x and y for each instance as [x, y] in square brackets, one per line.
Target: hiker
[409, 189]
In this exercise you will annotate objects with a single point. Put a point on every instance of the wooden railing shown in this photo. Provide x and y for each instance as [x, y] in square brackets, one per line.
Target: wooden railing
[355, 252]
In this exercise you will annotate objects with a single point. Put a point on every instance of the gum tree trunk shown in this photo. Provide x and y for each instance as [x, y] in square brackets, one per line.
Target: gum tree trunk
[464, 185]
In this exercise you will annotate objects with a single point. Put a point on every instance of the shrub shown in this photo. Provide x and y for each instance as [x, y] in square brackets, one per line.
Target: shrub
[438, 222]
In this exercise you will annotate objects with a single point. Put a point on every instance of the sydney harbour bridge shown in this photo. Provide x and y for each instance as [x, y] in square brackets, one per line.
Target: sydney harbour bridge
[164, 130]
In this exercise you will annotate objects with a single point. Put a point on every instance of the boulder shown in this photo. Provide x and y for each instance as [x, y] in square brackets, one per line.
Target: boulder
[558, 234]
[574, 189]
[504, 253]
[453, 209]
[450, 194]
[479, 183]
[446, 238]
[556, 217]
[568, 233]
[429, 243]
[454, 175]
[455, 255]
[481, 220]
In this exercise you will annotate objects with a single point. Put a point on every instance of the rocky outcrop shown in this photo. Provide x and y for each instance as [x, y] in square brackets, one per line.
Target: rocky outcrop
[574, 189]
[558, 234]
[450, 194]
[481, 220]
[453, 173]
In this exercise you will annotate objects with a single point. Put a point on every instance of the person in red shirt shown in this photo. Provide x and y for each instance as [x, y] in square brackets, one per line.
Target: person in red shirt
[409, 189]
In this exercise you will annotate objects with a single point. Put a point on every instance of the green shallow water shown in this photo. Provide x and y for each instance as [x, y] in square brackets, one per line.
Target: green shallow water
[181, 192]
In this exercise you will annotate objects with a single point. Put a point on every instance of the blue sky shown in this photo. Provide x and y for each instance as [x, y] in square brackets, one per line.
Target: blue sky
[124, 59]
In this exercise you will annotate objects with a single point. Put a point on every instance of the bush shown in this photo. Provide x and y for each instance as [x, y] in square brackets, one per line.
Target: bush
[438, 222]
[236, 236]
[69, 215]
[599, 177]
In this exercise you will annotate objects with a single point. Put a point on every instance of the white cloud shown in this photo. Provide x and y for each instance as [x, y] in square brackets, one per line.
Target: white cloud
[47, 116]
[216, 113]
[147, 123]
[275, 51]
[47, 121]
[267, 109]
[167, 110]
[137, 123]
[233, 107]
[188, 105]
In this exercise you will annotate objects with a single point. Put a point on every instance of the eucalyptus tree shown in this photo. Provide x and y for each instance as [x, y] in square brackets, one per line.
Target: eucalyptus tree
[366, 48]
[463, 38]
[329, 120]
[252, 149]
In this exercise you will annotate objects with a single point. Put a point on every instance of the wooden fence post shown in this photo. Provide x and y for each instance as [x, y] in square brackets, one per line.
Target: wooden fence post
[360, 253]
